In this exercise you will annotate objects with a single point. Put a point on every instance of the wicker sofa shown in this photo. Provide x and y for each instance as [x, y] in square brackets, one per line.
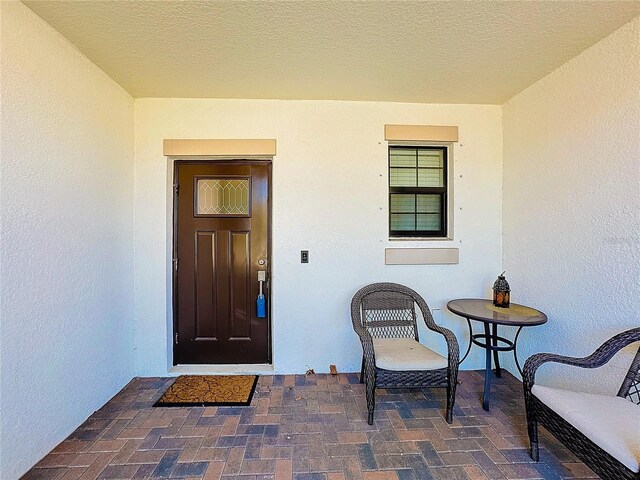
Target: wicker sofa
[602, 430]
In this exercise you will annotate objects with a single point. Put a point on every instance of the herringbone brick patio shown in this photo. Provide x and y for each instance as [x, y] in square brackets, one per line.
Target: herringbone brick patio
[307, 428]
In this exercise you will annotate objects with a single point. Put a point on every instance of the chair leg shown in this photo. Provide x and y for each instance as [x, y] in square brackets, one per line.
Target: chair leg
[371, 403]
[450, 402]
[362, 371]
[451, 398]
[452, 383]
[532, 426]
[370, 388]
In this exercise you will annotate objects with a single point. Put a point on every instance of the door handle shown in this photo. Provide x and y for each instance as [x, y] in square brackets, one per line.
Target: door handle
[261, 304]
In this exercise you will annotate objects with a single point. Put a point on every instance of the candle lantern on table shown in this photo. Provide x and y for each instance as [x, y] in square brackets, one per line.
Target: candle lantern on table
[501, 292]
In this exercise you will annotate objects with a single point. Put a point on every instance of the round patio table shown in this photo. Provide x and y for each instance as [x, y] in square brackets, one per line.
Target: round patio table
[484, 311]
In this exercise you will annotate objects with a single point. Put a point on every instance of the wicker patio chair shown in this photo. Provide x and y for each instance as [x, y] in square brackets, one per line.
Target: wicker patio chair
[602, 430]
[384, 317]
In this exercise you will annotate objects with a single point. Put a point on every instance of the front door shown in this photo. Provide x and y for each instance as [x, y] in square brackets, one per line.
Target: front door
[221, 244]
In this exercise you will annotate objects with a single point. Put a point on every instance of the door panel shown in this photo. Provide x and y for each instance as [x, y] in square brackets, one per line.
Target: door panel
[221, 233]
[206, 297]
[240, 306]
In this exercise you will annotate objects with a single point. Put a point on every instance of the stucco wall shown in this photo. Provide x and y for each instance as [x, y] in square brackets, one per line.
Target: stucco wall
[67, 238]
[329, 197]
[571, 204]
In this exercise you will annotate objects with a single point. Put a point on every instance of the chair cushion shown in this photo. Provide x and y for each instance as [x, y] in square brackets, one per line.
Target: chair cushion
[610, 422]
[400, 354]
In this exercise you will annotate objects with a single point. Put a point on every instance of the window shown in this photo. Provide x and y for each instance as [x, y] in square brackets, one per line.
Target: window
[417, 191]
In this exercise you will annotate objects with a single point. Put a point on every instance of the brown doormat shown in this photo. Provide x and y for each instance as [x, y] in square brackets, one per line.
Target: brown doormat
[209, 390]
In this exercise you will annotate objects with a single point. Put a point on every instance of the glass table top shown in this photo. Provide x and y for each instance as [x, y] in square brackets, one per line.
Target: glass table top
[483, 310]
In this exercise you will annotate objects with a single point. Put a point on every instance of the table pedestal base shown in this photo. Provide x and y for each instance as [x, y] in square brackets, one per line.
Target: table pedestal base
[492, 343]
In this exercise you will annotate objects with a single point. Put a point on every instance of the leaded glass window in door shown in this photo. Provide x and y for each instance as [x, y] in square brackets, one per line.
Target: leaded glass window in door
[223, 196]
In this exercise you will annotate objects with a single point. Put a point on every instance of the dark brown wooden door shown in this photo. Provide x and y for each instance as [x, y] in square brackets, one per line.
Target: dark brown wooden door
[221, 242]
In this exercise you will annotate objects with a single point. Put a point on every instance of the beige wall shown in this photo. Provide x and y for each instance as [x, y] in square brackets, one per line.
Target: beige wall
[571, 204]
[564, 221]
[329, 197]
[66, 297]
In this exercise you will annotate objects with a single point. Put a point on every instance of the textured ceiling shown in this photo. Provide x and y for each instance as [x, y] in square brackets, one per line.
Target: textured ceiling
[428, 51]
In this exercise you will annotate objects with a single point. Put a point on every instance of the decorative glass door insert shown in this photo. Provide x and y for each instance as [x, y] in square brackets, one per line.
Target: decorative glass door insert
[223, 196]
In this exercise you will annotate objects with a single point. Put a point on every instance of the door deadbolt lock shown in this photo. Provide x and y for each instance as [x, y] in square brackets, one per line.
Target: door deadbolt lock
[261, 262]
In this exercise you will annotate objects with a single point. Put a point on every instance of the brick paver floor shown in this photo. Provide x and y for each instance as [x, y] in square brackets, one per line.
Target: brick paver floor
[307, 428]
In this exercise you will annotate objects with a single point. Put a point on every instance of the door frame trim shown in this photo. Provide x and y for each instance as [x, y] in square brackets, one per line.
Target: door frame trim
[175, 161]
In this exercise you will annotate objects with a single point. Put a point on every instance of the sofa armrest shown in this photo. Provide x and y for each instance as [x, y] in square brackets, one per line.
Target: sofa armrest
[601, 356]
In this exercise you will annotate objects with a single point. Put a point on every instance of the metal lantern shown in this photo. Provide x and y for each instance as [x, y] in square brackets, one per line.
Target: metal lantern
[501, 292]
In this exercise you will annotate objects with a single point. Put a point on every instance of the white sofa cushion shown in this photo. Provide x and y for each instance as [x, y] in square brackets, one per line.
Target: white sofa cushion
[610, 422]
[406, 354]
